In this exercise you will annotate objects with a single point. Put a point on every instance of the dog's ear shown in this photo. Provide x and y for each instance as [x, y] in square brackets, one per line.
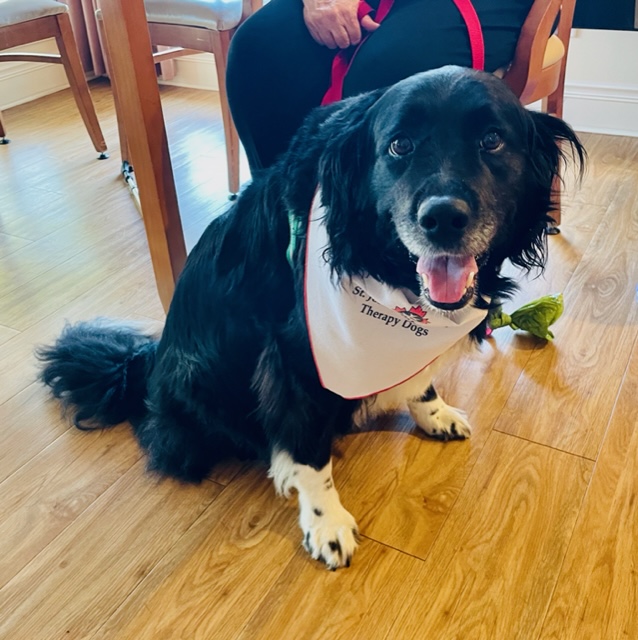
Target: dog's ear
[552, 145]
[345, 165]
[552, 140]
[326, 151]
[347, 154]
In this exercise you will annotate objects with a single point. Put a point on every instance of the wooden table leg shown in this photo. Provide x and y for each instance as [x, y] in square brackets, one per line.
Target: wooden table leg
[124, 23]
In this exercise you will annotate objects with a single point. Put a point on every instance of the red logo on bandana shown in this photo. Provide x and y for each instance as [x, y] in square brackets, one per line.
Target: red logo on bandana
[414, 313]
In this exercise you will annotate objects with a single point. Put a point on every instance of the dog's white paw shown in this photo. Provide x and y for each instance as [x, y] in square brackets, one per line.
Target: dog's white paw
[329, 531]
[330, 534]
[439, 420]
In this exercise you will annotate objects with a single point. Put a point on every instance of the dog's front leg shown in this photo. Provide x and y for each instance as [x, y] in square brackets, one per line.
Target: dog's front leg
[329, 530]
[437, 418]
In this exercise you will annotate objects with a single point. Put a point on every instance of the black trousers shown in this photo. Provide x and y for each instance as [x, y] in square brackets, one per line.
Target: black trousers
[277, 73]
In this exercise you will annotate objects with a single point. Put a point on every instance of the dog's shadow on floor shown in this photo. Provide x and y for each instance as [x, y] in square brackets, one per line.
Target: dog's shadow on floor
[399, 422]
[392, 423]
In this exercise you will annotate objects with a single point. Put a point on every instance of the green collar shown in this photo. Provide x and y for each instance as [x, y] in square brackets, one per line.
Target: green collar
[294, 224]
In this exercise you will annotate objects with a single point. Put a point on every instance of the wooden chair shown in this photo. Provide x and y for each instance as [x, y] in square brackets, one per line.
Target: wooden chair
[538, 69]
[26, 21]
[189, 27]
[141, 112]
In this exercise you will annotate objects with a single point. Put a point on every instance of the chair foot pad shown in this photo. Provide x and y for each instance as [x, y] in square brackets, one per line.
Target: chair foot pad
[4, 141]
[552, 230]
[103, 155]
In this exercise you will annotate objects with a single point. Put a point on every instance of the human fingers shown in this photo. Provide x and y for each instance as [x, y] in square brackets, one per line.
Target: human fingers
[369, 24]
[352, 28]
[320, 34]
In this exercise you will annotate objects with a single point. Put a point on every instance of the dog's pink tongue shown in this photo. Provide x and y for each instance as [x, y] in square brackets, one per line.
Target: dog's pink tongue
[447, 276]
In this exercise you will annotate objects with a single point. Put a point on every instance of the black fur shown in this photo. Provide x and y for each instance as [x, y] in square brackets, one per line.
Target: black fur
[100, 369]
[233, 373]
[429, 395]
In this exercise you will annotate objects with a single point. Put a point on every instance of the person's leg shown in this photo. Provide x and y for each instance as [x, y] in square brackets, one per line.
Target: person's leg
[276, 74]
[417, 36]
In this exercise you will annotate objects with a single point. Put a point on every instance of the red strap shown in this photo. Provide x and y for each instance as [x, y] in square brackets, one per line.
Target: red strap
[473, 24]
[363, 10]
[343, 60]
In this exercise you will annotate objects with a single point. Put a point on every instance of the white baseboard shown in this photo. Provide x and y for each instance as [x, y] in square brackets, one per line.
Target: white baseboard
[195, 72]
[22, 82]
[599, 108]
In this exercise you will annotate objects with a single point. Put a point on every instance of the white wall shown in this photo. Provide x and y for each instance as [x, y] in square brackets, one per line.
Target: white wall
[601, 88]
[196, 72]
[601, 92]
[24, 81]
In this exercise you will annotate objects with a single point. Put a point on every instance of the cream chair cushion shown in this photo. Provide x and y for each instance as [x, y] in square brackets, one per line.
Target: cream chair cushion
[16, 11]
[554, 52]
[217, 15]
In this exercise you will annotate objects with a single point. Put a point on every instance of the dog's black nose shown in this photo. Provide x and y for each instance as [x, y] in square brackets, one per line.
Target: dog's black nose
[444, 217]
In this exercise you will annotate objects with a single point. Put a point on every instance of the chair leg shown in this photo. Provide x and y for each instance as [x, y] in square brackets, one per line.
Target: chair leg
[553, 227]
[3, 131]
[127, 168]
[221, 43]
[554, 105]
[79, 87]
[131, 63]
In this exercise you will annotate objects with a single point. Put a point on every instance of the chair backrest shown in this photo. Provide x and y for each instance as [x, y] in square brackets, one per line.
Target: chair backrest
[532, 76]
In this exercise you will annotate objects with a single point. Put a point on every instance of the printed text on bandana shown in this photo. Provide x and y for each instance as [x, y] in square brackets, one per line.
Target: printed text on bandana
[413, 318]
[365, 335]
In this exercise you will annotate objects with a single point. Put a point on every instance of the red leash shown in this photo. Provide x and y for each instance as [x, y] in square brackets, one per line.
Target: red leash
[343, 60]
[473, 24]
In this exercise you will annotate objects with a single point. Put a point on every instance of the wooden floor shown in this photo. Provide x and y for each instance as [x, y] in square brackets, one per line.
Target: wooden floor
[528, 530]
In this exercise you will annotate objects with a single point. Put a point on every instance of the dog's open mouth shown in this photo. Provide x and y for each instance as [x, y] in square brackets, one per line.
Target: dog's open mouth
[447, 280]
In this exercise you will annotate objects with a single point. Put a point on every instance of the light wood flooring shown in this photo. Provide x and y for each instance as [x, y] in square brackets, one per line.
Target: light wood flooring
[528, 530]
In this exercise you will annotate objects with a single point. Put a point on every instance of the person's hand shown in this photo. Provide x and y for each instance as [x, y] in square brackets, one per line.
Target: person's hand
[335, 23]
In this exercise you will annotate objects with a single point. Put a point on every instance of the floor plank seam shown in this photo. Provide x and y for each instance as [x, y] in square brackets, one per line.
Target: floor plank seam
[634, 347]
[545, 445]
[35, 455]
[96, 285]
[85, 249]
[573, 531]
[389, 546]
[27, 384]
[90, 505]
[6, 326]
[147, 576]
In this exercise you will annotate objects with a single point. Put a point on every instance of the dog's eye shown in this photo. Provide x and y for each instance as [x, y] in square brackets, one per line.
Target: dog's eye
[401, 147]
[491, 141]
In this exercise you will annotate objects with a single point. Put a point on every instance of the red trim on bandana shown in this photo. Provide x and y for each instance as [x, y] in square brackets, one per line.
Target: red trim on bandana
[350, 359]
[305, 291]
[343, 60]
[306, 316]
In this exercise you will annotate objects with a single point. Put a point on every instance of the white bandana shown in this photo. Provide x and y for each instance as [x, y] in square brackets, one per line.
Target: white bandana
[365, 336]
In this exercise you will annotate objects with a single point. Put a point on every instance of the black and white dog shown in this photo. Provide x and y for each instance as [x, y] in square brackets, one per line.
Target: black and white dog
[424, 188]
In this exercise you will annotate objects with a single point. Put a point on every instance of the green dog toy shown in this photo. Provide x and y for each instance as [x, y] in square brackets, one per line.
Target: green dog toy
[535, 317]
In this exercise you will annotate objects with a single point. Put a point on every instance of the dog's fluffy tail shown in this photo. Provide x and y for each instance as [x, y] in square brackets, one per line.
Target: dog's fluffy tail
[99, 371]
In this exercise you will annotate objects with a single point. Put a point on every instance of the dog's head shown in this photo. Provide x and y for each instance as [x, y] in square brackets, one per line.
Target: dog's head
[434, 182]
